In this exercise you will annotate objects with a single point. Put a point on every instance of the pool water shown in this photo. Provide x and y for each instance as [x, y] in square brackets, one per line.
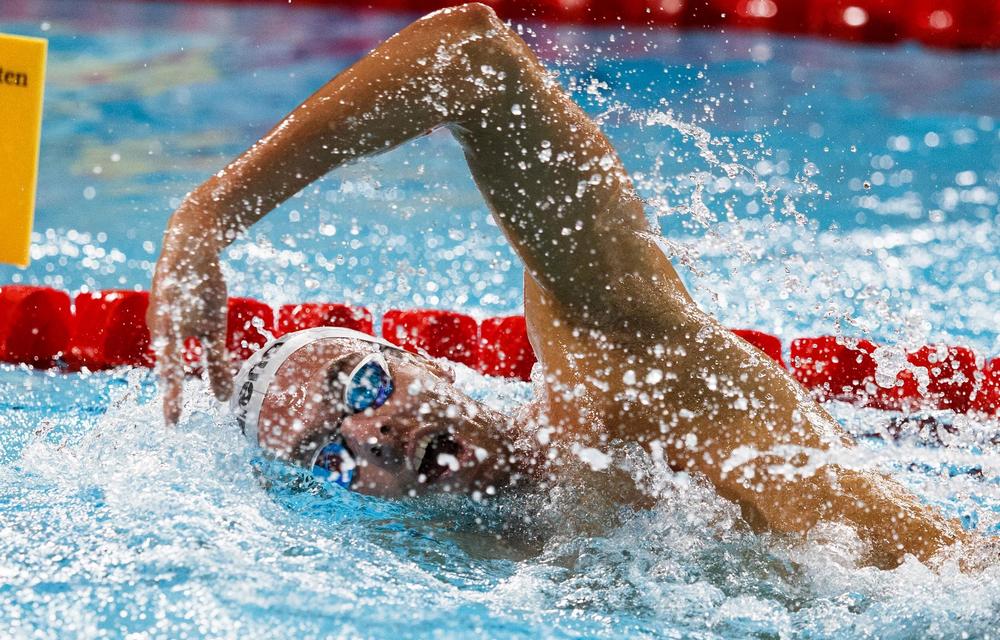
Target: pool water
[804, 187]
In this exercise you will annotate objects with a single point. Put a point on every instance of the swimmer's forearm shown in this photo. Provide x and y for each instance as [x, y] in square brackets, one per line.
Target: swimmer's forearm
[402, 89]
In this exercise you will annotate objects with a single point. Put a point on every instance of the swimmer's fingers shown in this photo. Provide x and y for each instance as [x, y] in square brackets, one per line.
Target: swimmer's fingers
[171, 367]
[219, 373]
[188, 300]
[212, 334]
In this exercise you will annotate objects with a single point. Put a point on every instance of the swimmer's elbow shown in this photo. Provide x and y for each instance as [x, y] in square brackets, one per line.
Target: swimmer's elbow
[484, 38]
[482, 13]
[470, 17]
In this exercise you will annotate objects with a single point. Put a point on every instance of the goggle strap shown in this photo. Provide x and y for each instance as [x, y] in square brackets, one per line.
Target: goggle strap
[258, 371]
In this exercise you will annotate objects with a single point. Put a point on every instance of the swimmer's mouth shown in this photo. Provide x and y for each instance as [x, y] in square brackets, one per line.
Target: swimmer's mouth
[437, 457]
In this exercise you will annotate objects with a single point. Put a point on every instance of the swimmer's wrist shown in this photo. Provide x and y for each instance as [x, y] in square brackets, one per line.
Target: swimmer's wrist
[196, 229]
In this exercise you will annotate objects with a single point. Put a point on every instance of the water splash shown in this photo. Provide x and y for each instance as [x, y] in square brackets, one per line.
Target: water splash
[118, 525]
[784, 215]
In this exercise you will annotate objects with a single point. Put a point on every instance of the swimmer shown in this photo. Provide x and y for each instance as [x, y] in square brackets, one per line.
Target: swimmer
[626, 356]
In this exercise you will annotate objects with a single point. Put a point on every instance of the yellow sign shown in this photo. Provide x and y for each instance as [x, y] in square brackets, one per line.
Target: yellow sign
[22, 79]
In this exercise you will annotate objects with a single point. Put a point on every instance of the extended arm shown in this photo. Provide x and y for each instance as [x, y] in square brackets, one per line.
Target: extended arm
[553, 181]
[542, 165]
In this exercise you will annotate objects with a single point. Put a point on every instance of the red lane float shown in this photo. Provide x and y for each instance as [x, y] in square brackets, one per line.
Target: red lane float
[504, 349]
[859, 20]
[35, 324]
[770, 345]
[987, 398]
[110, 330]
[835, 368]
[782, 16]
[295, 317]
[955, 24]
[553, 10]
[106, 329]
[952, 375]
[442, 334]
[941, 23]
[249, 323]
[830, 367]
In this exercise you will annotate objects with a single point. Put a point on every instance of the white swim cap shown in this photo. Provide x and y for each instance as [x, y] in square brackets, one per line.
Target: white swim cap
[258, 371]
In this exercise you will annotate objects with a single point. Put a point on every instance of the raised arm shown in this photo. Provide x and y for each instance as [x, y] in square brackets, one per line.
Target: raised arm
[551, 178]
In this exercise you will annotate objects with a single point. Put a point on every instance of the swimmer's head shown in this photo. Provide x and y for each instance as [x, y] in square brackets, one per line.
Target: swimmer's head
[366, 414]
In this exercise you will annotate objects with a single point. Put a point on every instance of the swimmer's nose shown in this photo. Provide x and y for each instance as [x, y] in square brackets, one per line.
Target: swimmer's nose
[375, 444]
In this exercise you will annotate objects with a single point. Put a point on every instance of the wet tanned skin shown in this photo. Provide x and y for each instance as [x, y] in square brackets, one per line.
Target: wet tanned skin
[626, 354]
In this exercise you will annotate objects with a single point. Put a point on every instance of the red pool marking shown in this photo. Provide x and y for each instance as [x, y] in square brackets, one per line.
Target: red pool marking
[294, 317]
[442, 334]
[504, 349]
[110, 330]
[35, 324]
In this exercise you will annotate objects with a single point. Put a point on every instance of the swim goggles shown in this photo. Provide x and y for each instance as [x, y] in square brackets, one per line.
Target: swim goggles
[368, 386]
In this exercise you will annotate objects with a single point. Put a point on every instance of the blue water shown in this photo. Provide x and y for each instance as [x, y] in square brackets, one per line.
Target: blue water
[805, 187]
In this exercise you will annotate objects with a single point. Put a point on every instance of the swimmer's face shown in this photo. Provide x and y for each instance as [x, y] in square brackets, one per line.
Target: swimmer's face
[428, 437]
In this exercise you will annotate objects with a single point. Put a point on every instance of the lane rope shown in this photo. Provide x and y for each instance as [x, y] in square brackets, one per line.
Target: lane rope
[44, 328]
[949, 24]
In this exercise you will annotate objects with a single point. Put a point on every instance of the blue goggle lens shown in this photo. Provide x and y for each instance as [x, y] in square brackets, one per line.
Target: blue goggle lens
[334, 464]
[369, 388]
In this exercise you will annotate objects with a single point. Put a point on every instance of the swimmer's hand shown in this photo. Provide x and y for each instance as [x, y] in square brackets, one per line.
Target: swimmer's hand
[188, 300]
